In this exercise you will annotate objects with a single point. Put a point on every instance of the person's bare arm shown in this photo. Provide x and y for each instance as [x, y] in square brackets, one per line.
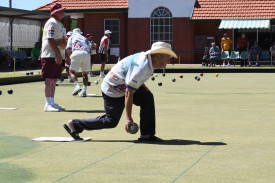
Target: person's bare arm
[128, 107]
[54, 47]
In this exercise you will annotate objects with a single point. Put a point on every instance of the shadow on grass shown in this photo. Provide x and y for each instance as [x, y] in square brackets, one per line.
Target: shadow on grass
[166, 142]
[95, 96]
[86, 111]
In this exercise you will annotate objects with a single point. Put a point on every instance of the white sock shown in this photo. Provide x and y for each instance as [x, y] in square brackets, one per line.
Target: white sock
[48, 101]
[76, 84]
[102, 73]
[84, 88]
[249, 63]
[52, 100]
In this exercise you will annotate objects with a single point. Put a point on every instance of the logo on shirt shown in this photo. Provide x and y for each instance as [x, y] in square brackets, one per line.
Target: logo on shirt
[114, 76]
[77, 45]
[51, 32]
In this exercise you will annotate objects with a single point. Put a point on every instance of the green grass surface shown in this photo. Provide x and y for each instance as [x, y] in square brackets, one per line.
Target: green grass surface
[218, 129]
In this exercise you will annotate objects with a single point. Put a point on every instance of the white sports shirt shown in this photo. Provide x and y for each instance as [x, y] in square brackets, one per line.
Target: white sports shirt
[78, 42]
[52, 29]
[130, 72]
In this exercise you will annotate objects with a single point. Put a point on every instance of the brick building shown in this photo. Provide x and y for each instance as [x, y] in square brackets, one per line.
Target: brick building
[188, 25]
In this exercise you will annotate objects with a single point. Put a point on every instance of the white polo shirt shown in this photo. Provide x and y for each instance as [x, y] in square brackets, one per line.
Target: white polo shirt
[53, 29]
[78, 42]
[130, 72]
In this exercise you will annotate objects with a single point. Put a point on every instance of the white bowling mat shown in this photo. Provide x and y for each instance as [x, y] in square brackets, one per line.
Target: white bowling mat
[60, 139]
[9, 108]
[91, 94]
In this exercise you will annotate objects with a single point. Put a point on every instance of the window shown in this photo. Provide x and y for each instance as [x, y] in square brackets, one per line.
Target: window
[161, 25]
[73, 24]
[113, 26]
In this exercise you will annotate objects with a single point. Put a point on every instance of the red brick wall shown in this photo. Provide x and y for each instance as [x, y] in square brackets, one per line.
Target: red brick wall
[93, 24]
[208, 29]
[67, 23]
[80, 24]
[138, 34]
[183, 40]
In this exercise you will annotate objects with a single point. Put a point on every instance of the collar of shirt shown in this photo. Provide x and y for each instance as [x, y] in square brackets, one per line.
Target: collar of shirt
[150, 62]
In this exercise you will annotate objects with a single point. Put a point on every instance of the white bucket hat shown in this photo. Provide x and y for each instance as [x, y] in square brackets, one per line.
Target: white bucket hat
[77, 31]
[108, 32]
[161, 47]
[69, 33]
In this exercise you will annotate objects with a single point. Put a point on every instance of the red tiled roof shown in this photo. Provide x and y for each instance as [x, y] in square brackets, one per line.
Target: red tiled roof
[233, 9]
[86, 4]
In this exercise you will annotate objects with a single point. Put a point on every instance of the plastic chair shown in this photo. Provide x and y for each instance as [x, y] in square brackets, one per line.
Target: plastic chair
[265, 55]
[224, 56]
[234, 56]
[244, 55]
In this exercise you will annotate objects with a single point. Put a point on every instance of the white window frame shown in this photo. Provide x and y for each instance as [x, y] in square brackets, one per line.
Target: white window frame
[163, 33]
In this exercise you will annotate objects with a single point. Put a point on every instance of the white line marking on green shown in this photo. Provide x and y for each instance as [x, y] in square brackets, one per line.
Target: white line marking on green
[194, 163]
[93, 163]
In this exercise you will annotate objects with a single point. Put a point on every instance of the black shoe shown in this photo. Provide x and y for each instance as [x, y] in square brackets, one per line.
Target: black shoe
[151, 138]
[73, 134]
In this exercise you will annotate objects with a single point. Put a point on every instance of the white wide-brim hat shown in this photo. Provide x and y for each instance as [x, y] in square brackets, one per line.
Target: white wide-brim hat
[161, 47]
[77, 31]
[108, 32]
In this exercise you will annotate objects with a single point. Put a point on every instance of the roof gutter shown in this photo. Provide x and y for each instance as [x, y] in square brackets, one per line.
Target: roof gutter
[105, 10]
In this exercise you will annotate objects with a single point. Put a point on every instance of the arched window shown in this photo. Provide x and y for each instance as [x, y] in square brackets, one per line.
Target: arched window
[161, 25]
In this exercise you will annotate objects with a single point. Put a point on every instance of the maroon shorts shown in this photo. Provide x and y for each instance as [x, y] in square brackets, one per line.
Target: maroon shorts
[50, 69]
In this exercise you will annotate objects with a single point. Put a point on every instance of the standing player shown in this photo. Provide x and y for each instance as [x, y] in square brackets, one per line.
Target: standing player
[93, 53]
[242, 45]
[52, 54]
[124, 86]
[78, 48]
[103, 51]
[226, 46]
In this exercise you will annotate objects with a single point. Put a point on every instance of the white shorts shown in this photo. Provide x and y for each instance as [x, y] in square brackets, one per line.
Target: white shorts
[80, 58]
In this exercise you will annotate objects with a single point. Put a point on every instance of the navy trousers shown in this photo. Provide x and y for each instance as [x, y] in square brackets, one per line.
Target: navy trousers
[114, 108]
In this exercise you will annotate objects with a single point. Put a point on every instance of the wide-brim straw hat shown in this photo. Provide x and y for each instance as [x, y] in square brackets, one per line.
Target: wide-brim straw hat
[161, 47]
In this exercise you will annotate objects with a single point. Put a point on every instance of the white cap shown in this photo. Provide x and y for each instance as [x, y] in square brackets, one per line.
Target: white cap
[108, 32]
[77, 31]
[161, 47]
[69, 33]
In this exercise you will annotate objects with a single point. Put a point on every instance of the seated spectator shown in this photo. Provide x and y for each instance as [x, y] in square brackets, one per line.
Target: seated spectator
[214, 53]
[7, 57]
[254, 54]
[35, 54]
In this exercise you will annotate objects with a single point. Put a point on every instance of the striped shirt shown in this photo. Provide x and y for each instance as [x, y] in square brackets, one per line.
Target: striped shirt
[104, 42]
